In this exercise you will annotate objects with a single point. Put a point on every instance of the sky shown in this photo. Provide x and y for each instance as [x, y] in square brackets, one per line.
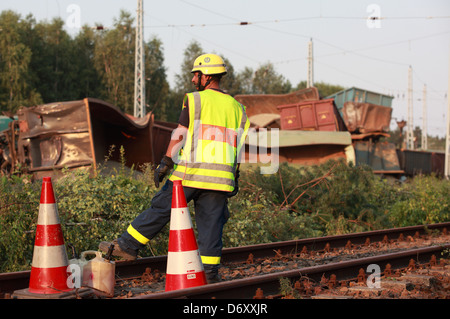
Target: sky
[349, 49]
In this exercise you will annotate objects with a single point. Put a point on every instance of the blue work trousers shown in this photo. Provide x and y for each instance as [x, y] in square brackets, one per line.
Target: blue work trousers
[211, 214]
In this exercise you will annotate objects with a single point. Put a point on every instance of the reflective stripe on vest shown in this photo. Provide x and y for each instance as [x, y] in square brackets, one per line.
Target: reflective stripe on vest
[217, 129]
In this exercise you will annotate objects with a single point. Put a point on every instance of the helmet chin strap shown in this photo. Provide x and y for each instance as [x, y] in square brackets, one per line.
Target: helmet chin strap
[199, 85]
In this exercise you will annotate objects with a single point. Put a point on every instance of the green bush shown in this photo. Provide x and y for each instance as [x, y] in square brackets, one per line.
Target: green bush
[296, 202]
[425, 200]
[91, 209]
[333, 198]
[19, 204]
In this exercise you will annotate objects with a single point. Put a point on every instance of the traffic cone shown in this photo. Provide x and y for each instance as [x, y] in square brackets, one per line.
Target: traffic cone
[184, 265]
[49, 267]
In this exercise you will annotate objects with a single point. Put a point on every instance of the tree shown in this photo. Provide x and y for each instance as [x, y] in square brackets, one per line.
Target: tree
[114, 62]
[245, 80]
[157, 87]
[267, 81]
[88, 78]
[15, 77]
[324, 89]
[183, 82]
[56, 77]
[183, 79]
[230, 83]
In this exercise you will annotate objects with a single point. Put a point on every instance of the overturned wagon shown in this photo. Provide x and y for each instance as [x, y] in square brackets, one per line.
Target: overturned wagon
[81, 133]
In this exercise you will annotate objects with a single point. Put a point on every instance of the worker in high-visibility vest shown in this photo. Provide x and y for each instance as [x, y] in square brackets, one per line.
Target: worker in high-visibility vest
[204, 153]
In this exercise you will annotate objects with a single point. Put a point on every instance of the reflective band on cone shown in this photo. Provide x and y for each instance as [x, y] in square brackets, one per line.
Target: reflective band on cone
[184, 265]
[49, 267]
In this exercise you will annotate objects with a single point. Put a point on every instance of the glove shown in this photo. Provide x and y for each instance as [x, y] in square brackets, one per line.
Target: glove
[236, 185]
[162, 170]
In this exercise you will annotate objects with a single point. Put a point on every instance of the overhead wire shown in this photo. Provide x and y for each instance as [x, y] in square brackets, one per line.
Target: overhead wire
[242, 23]
[341, 50]
[257, 24]
[220, 46]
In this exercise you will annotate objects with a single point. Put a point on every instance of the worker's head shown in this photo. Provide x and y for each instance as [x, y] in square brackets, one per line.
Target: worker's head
[207, 68]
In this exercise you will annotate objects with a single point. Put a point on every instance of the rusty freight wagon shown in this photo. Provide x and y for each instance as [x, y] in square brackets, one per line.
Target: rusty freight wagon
[319, 115]
[358, 95]
[80, 134]
[316, 134]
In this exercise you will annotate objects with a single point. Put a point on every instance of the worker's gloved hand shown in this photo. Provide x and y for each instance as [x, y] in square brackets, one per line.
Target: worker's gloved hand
[236, 185]
[162, 170]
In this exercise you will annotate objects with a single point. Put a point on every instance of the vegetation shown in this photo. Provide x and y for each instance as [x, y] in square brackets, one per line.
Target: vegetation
[435, 143]
[296, 202]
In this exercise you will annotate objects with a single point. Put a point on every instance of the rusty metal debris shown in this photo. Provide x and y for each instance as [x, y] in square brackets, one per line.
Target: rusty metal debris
[148, 276]
[332, 282]
[412, 264]
[388, 270]
[433, 260]
[366, 117]
[250, 259]
[278, 254]
[259, 294]
[80, 134]
[361, 276]
[301, 145]
[348, 245]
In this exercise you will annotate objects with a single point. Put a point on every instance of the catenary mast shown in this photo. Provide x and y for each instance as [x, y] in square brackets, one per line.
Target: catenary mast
[139, 68]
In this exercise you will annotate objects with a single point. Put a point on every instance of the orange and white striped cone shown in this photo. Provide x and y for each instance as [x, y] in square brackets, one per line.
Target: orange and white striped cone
[49, 267]
[184, 265]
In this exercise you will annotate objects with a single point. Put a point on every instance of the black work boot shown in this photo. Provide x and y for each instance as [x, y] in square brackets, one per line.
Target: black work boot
[212, 273]
[119, 252]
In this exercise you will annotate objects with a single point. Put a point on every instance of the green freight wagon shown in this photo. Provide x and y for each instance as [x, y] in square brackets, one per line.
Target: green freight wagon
[4, 121]
[359, 95]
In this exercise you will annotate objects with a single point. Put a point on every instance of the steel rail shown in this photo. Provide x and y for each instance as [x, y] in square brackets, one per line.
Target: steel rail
[319, 243]
[19, 280]
[270, 283]
[240, 254]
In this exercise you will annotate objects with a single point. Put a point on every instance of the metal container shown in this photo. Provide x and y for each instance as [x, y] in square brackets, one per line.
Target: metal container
[319, 115]
[80, 134]
[380, 156]
[421, 162]
[267, 103]
[4, 122]
[359, 95]
[366, 117]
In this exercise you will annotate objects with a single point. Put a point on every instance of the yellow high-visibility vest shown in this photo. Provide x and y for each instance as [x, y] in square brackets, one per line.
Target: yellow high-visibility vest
[218, 126]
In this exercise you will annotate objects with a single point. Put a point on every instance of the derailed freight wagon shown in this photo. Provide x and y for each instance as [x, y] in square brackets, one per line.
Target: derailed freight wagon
[81, 134]
[311, 130]
[368, 123]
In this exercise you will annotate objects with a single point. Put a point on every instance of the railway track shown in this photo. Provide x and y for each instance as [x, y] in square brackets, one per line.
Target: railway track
[268, 286]
[254, 271]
